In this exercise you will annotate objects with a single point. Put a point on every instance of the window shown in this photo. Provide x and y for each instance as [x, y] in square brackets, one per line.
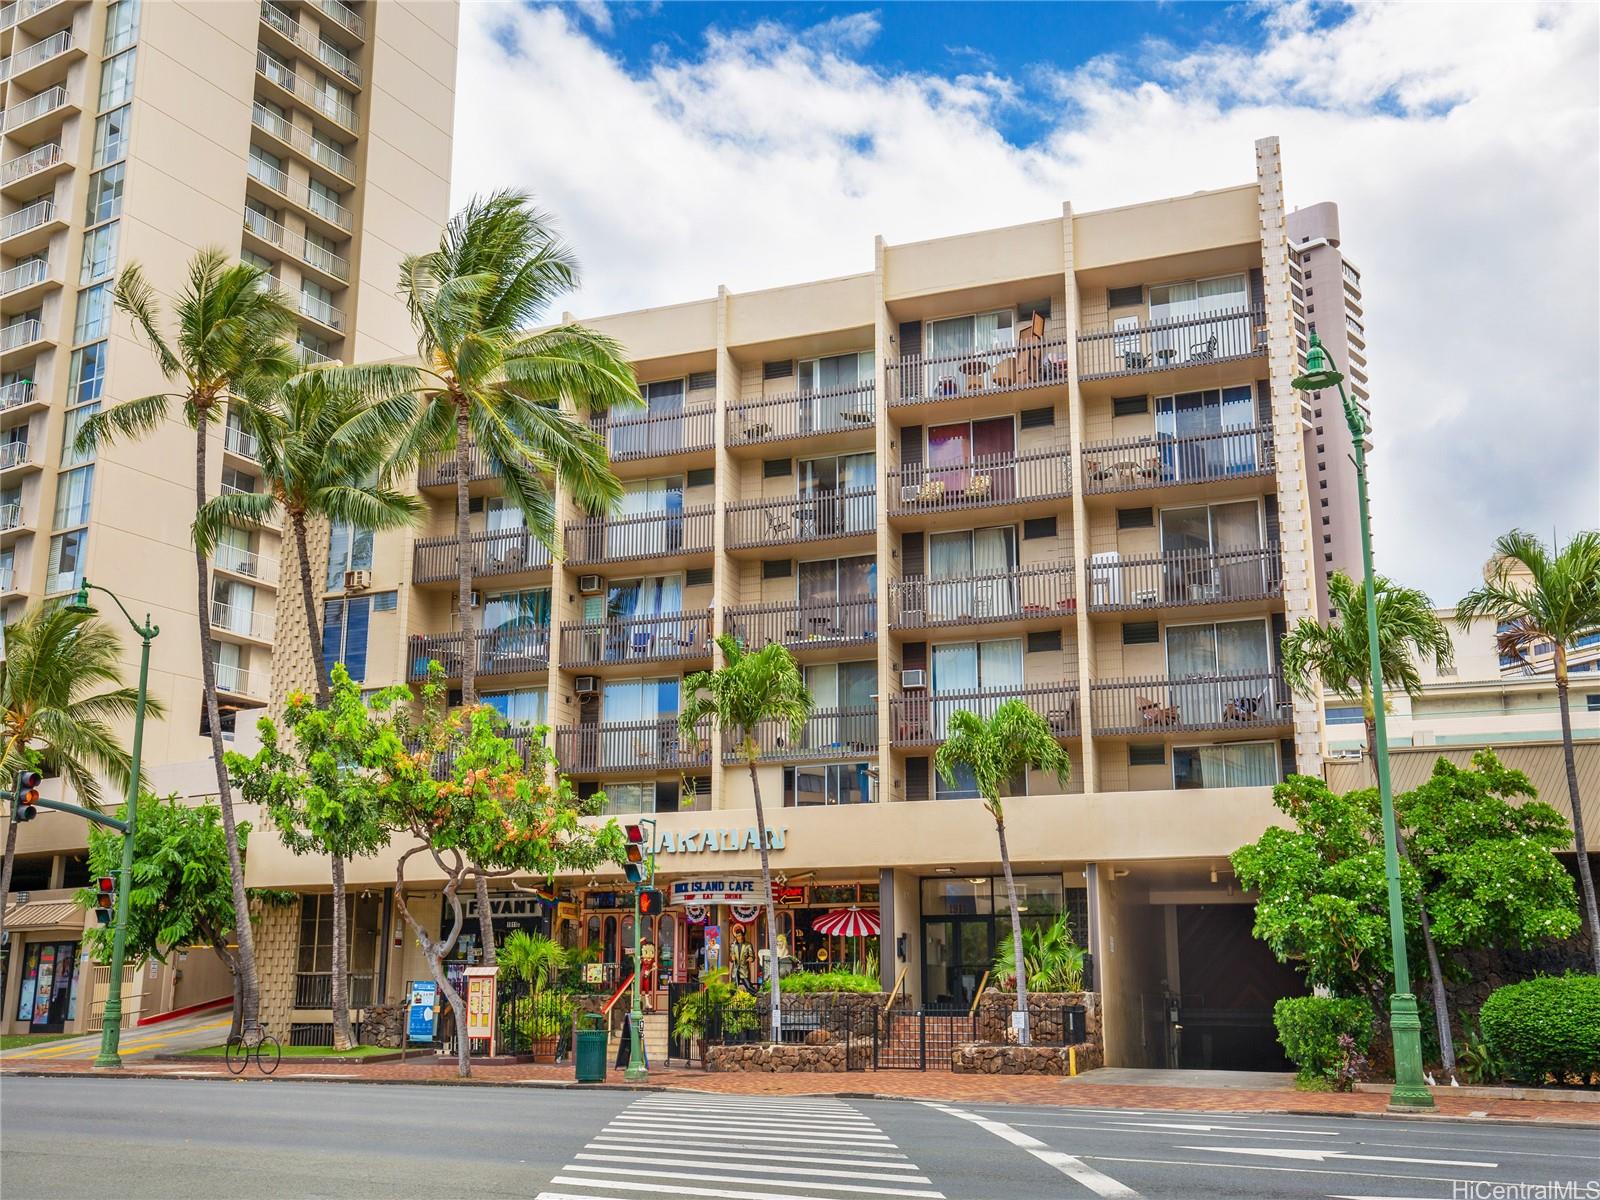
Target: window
[105, 194]
[978, 676]
[838, 372]
[511, 612]
[122, 25]
[1345, 714]
[116, 80]
[625, 799]
[64, 572]
[324, 200]
[951, 342]
[965, 786]
[526, 707]
[275, 69]
[70, 456]
[94, 313]
[73, 489]
[1136, 518]
[1180, 301]
[1129, 406]
[347, 551]
[1150, 754]
[335, 100]
[835, 783]
[1140, 633]
[1038, 527]
[344, 634]
[329, 152]
[386, 602]
[1592, 701]
[970, 573]
[99, 253]
[266, 167]
[1237, 764]
[110, 137]
[235, 481]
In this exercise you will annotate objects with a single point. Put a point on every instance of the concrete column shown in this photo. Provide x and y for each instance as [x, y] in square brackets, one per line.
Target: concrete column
[891, 774]
[725, 571]
[1080, 512]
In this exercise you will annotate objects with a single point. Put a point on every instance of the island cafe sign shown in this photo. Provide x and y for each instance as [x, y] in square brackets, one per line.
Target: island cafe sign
[700, 841]
[716, 891]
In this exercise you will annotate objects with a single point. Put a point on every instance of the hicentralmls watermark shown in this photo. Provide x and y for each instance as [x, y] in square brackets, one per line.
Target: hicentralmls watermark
[1556, 1189]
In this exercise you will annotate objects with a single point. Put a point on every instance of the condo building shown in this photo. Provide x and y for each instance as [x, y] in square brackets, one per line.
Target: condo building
[311, 137]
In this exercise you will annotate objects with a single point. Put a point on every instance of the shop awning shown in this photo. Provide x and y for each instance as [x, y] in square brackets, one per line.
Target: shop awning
[848, 922]
[44, 914]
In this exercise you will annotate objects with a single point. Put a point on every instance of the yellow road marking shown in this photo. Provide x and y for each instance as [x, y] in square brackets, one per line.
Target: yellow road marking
[134, 1043]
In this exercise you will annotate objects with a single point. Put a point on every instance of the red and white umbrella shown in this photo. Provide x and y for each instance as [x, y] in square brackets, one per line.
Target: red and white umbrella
[848, 922]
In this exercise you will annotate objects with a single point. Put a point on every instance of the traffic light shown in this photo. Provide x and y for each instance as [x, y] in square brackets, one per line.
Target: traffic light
[25, 797]
[637, 867]
[105, 896]
[651, 902]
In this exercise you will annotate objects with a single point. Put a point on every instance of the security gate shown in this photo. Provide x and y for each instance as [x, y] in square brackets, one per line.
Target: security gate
[921, 1040]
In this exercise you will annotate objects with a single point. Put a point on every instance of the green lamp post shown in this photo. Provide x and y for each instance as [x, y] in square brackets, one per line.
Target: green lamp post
[111, 1028]
[1410, 1089]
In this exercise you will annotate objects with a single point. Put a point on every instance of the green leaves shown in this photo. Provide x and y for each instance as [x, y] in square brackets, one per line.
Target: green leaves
[996, 750]
[749, 690]
[1536, 595]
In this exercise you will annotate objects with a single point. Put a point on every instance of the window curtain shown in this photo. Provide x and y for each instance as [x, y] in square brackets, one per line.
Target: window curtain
[994, 553]
[955, 670]
[1238, 764]
[859, 473]
[948, 342]
[950, 559]
[501, 516]
[526, 707]
[647, 497]
[949, 453]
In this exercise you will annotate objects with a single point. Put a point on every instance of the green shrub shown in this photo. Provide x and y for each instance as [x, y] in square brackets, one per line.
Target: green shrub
[1545, 1027]
[1309, 1029]
[804, 982]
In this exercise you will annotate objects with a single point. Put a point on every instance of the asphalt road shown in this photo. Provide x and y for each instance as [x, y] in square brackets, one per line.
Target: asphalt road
[161, 1138]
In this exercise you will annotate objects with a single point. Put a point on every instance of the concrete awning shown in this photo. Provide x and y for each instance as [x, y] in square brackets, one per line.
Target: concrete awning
[45, 914]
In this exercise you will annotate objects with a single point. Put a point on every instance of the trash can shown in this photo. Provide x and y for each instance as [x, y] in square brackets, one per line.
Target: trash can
[590, 1057]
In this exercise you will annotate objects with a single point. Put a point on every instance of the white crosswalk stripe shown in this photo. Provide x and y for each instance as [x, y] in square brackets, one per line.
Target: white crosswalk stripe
[740, 1148]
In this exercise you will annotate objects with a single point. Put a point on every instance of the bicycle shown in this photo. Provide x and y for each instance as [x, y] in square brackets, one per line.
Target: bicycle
[254, 1041]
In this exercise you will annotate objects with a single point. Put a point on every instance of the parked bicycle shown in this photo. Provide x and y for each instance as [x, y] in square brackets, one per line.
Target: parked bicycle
[255, 1042]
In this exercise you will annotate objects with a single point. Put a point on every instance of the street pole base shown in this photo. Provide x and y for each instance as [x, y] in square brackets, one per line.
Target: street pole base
[1410, 1091]
[1405, 1098]
[636, 1074]
[104, 1062]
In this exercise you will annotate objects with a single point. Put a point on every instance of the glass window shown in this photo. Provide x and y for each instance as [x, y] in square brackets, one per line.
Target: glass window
[105, 194]
[1345, 715]
[99, 253]
[623, 799]
[347, 551]
[111, 137]
[832, 783]
[1237, 764]
[94, 313]
[527, 609]
[324, 200]
[86, 376]
[70, 457]
[65, 570]
[529, 706]
[116, 80]
[73, 489]
[957, 897]
[344, 634]
[122, 25]
[268, 168]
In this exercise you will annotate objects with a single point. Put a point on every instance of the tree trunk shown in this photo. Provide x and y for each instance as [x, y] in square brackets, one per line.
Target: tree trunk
[480, 888]
[1025, 1038]
[5, 869]
[1580, 842]
[308, 598]
[469, 615]
[772, 909]
[249, 983]
[433, 951]
[344, 1037]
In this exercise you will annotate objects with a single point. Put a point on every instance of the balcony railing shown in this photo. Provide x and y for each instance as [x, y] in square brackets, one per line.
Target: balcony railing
[664, 637]
[35, 107]
[982, 482]
[11, 515]
[802, 519]
[243, 621]
[40, 52]
[805, 623]
[827, 733]
[321, 311]
[441, 471]
[327, 105]
[314, 989]
[313, 148]
[324, 260]
[24, 219]
[1022, 593]
[7, 577]
[344, 16]
[325, 53]
[40, 158]
[497, 652]
[265, 228]
[13, 454]
[1252, 700]
[237, 681]
[928, 378]
[922, 720]
[24, 275]
[649, 435]
[644, 535]
[307, 357]
[244, 562]
[1166, 461]
[803, 414]
[525, 739]
[632, 746]
[1167, 345]
[237, 440]
[504, 552]
[1184, 577]
[15, 395]
[17, 334]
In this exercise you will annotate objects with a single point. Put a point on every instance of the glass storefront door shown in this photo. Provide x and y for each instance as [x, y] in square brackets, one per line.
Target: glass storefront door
[48, 999]
[956, 951]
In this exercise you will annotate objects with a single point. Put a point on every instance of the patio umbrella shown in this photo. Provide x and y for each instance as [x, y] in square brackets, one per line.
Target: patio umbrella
[848, 922]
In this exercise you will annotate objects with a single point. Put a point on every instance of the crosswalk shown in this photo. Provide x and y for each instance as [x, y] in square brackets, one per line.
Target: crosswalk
[739, 1148]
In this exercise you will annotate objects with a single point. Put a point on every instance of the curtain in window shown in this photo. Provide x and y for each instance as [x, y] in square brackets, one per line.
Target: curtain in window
[950, 586]
[647, 497]
[948, 342]
[859, 473]
[526, 707]
[955, 670]
[994, 554]
[1238, 764]
[1227, 648]
[501, 516]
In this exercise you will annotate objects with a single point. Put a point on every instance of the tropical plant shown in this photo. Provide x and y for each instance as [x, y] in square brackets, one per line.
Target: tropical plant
[534, 958]
[748, 691]
[60, 690]
[993, 752]
[804, 982]
[1546, 1028]
[1479, 1062]
[1052, 959]
[1310, 1029]
[718, 1007]
[229, 344]
[1538, 597]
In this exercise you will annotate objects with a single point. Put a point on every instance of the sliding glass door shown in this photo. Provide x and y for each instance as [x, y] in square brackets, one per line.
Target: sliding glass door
[971, 574]
[1193, 538]
[837, 596]
[1220, 672]
[961, 351]
[629, 603]
[1233, 764]
[976, 676]
[647, 710]
[831, 392]
[837, 495]
[1192, 429]
[647, 518]
[846, 691]
[974, 459]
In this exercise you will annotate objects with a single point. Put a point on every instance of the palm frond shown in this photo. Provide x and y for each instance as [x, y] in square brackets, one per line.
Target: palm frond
[132, 419]
[231, 509]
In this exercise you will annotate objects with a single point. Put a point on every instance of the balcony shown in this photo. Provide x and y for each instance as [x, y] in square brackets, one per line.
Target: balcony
[32, 163]
[496, 652]
[314, 989]
[441, 471]
[827, 733]
[826, 515]
[524, 740]
[15, 454]
[504, 552]
[11, 517]
[237, 681]
[644, 535]
[241, 622]
[801, 625]
[1151, 462]
[322, 313]
[985, 481]
[916, 379]
[324, 261]
[49, 102]
[264, 228]
[22, 68]
[24, 393]
[922, 720]
[1183, 578]
[801, 415]
[24, 283]
[1157, 346]
[343, 16]
[292, 32]
[245, 563]
[8, 578]
[1237, 703]
[313, 206]
[240, 441]
[36, 216]
[304, 90]
[17, 334]
[307, 357]
[651, 435]
[665, 637]
[643, 747]
[302, 143]
[1018, 594]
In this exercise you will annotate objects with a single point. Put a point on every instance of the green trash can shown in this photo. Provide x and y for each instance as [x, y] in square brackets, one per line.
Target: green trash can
[590, 1058]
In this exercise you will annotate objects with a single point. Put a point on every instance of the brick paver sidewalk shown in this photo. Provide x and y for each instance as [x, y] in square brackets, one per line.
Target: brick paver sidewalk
[915, 1085]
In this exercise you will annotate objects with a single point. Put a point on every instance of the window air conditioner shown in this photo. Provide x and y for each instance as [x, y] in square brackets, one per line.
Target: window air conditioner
[357, 581]
[913, 680]
[910, 492]
[589, 585]
[586, 685]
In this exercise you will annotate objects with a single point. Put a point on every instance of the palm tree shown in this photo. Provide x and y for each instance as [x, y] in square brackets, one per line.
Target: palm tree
[51, 714]
[995, 751]
[1334, 658]
[748, 691]
[484, 383]
[229, 343]
[1538, 597]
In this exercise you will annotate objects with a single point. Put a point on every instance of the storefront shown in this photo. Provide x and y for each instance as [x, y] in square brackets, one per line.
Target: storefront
[965, 919]
[48, 998]
[44, 966]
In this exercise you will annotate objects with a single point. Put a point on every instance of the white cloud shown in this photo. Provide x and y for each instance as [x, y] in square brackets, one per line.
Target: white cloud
[1460, 145]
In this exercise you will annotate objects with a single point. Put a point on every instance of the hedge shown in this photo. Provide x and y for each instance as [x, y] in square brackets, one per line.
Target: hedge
[1309, 1029]
[802, 982]
[1545, 1027]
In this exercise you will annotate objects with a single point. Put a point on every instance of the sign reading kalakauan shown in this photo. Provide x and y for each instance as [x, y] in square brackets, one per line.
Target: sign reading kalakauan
[701, 841]
[716, 891]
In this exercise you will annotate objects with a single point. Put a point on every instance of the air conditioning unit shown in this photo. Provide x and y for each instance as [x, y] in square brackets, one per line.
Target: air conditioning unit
[590, 585]
[913, 680]
[586, 685]
[357, 581]
[1347, 755]
[455, 600]
[910, 493]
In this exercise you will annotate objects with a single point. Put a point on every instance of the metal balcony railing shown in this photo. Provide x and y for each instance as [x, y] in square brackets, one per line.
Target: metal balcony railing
[14, 454]
[1021, 593]
[441, 471]
[927, 378]
[245, 622]
[497, 652]
[325, 103]
[920, 719]
[314, 989]
[312, 147]
[15, 395]
[35, 107]
[664, 637]
[24, 275]
[40, 52]
[632, 746]
[1164, 461]
[321, 311]
[802, 518]
[324, 260]
[1162, 704]
[244, 562]
[826, 733]
[1166, 345]
[40, 158]
[17, 334]
[648, 435]
[24, 219]
[307, 357]
[1184, 577]
[982, 482]
[325, 52]
[344, 16]
[238, 681]
[644, 535]
[524, 739]
[237, 440]
[265, 228]
[503, 552]
[813, 623]
[11, 515]
[803, 414]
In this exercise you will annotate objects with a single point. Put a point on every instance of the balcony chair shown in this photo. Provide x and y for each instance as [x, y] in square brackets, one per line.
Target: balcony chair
[1244, 708]
[1154, 715]
[978, 487]
[1204, 351]
[1134, 360]
[1063, 721]
[639, 645]
[1005, 372]
[1096, 472]
[778, 526]
[931, 491]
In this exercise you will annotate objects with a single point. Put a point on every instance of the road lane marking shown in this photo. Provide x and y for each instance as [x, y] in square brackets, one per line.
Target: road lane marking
[660, 1189]
[755, 1133]
[854, 1189]
[765, 1168]
[1244, 1131]
[1073, 1168]
[1347, 1173]
[1318, 1156]
[602, 1142]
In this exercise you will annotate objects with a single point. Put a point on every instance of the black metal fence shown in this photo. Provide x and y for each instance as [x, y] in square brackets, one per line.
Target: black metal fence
[529, 1021]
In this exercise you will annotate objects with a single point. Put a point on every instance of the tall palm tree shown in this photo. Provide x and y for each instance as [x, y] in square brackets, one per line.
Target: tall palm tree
[484, 383]
[995, 751]
[1334, 657]
[746, 692]
[1537, 596]
[53, 713]
[229, 342]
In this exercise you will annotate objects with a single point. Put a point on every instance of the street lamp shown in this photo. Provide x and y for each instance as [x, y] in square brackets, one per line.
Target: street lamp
[1410, 1091]
[111, 1027]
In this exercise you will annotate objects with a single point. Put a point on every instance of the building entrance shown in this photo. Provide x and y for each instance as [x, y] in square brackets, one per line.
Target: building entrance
[49, 996]
[1230, 981]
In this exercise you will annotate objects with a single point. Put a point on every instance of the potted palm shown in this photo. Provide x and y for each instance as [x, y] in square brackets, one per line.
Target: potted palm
[536, 960]
[718, 1009]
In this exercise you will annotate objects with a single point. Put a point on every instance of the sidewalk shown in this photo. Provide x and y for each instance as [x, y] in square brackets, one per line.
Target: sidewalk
[910, 1085]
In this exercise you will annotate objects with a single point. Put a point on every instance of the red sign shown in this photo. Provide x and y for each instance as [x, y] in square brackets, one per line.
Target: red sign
[789, 895]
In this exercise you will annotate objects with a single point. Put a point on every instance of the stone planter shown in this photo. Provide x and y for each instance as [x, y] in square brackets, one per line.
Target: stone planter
[1044, 1016]
[545, 1049]
[980, 1058]
[823, 1058]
